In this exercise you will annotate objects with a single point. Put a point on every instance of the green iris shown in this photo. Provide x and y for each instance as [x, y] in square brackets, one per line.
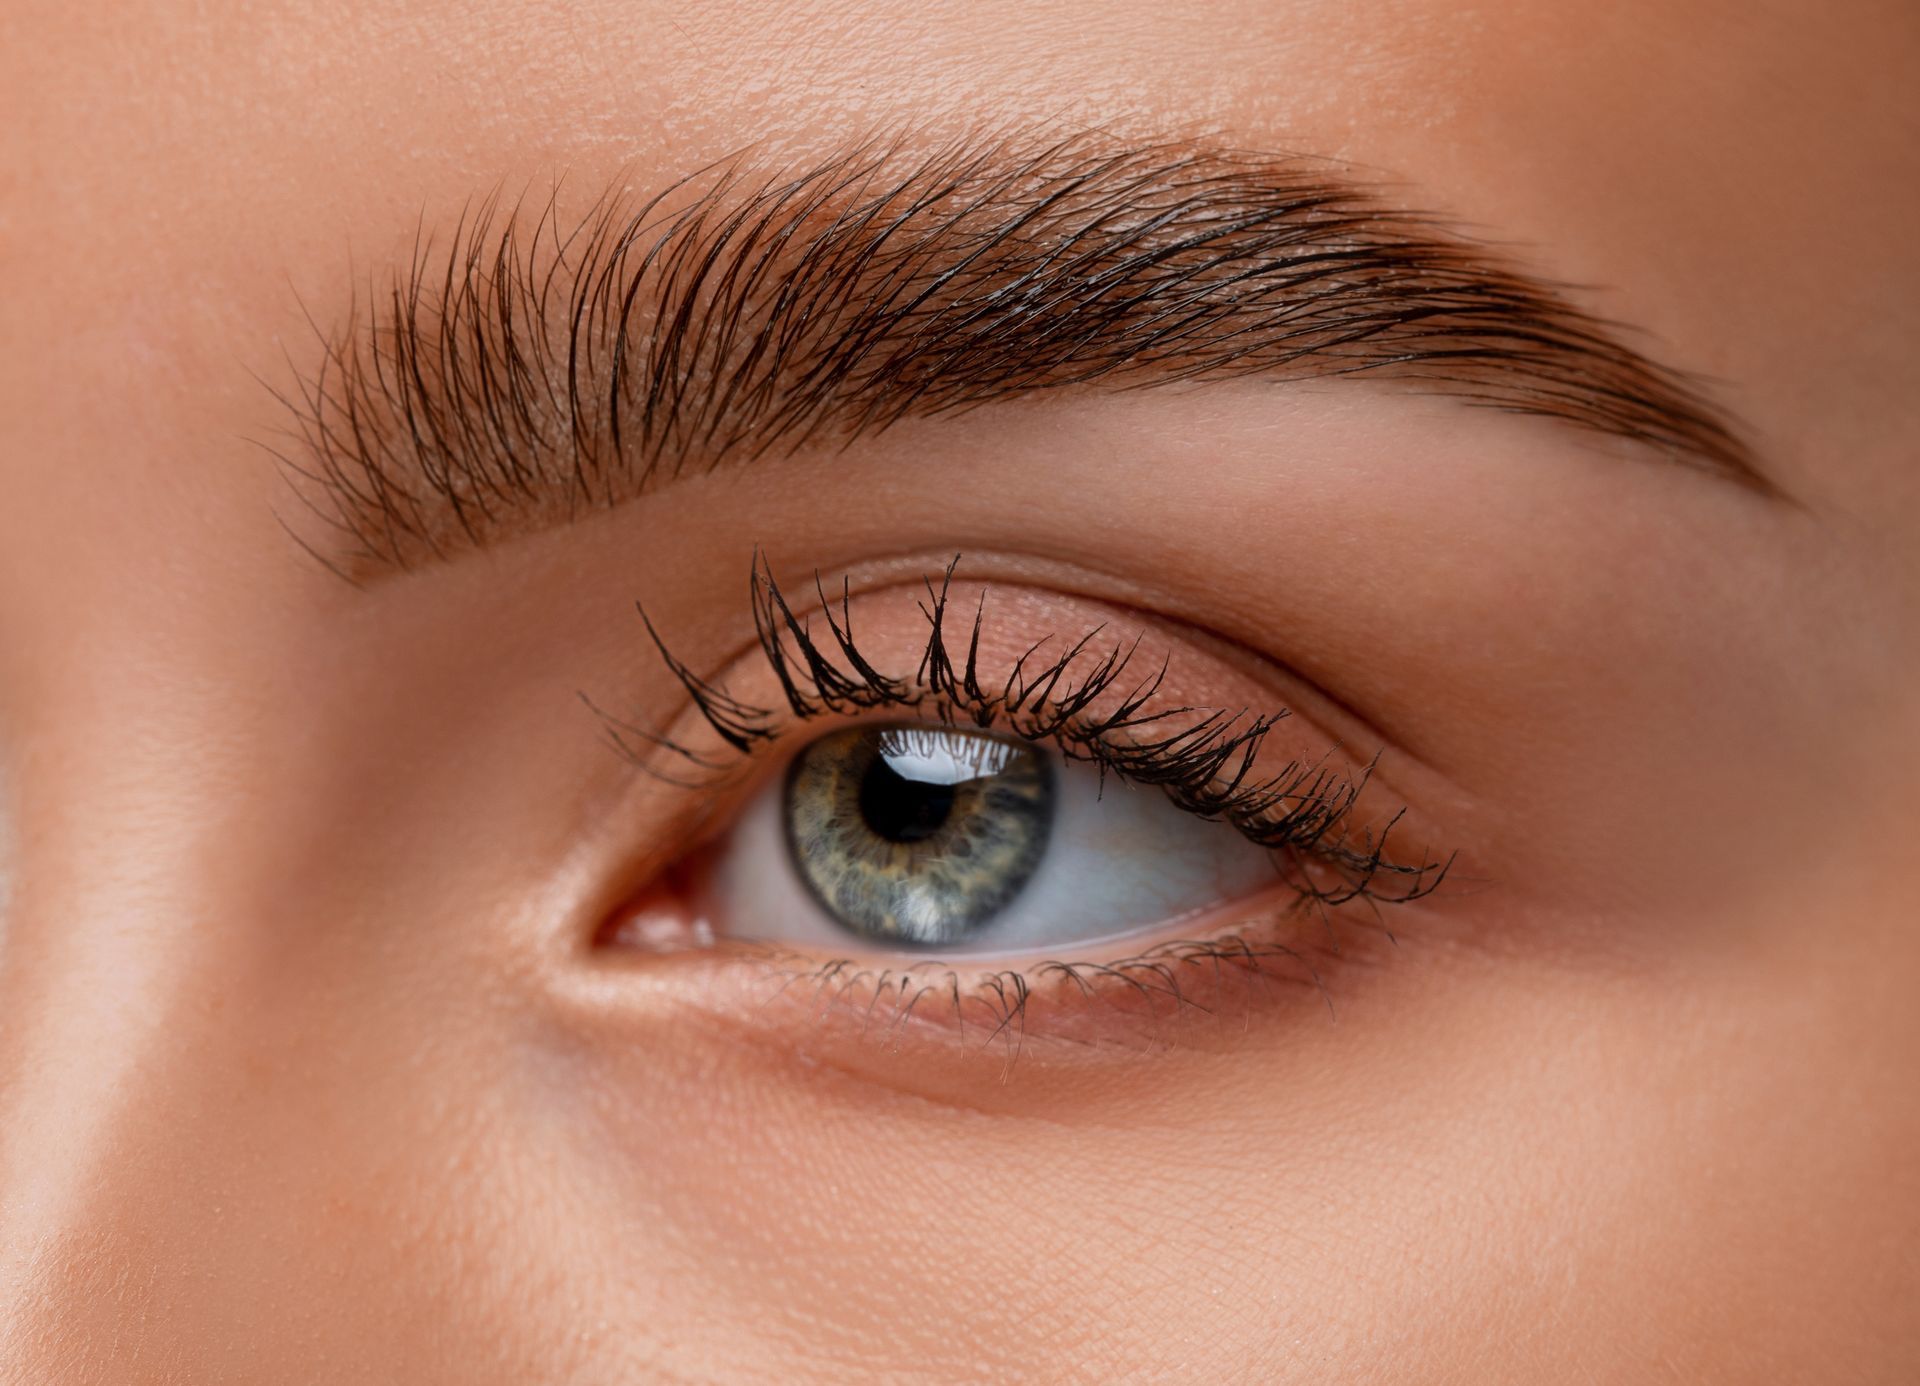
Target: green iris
[918, 835]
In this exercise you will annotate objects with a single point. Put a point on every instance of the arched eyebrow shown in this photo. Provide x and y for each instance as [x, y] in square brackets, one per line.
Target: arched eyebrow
[518, 373]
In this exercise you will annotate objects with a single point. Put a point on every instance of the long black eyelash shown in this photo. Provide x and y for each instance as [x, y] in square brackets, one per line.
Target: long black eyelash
[1202, 759]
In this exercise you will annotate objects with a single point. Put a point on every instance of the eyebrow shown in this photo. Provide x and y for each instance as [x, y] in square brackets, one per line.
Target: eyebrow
[521, 373]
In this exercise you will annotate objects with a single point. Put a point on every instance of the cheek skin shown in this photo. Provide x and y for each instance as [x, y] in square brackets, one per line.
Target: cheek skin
[1379, 1173]
[1364, 1186]
[1390, 1168]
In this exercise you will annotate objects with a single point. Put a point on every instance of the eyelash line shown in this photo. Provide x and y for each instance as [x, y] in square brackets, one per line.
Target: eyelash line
[1151, 978]
[1301, 813]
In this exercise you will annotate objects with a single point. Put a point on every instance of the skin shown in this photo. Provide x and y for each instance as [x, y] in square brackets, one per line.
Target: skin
[309, 1068]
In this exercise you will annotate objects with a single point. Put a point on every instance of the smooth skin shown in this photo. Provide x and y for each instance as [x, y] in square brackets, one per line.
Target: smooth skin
[308, 1068]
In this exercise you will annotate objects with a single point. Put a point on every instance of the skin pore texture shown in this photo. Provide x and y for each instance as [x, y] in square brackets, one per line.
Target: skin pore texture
[319, 1059]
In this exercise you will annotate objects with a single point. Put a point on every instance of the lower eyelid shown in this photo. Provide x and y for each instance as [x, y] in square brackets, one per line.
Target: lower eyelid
[1195, 980]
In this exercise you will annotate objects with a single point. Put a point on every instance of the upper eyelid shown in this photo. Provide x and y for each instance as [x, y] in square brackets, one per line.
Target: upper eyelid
[1205, 765]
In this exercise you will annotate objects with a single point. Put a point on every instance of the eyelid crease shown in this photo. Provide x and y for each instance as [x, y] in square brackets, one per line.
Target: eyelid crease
[1080, 702]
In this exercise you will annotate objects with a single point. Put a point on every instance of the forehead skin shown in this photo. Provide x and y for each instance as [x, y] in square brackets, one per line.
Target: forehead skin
[1742, 182]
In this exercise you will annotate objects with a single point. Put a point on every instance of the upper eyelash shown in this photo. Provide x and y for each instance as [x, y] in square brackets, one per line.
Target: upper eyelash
[1301, 812]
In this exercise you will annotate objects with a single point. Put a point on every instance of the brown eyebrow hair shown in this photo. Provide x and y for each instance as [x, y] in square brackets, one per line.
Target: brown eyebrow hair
[518, 374]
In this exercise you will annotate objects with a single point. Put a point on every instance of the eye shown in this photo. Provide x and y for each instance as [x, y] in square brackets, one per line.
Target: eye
[1054, 793]
[888, 838]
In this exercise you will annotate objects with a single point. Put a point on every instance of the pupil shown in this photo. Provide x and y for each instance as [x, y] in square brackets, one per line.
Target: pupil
[902, 810]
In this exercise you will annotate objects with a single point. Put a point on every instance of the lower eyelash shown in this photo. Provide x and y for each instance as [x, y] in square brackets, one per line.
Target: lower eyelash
[1302, 813]
[1179, 982]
